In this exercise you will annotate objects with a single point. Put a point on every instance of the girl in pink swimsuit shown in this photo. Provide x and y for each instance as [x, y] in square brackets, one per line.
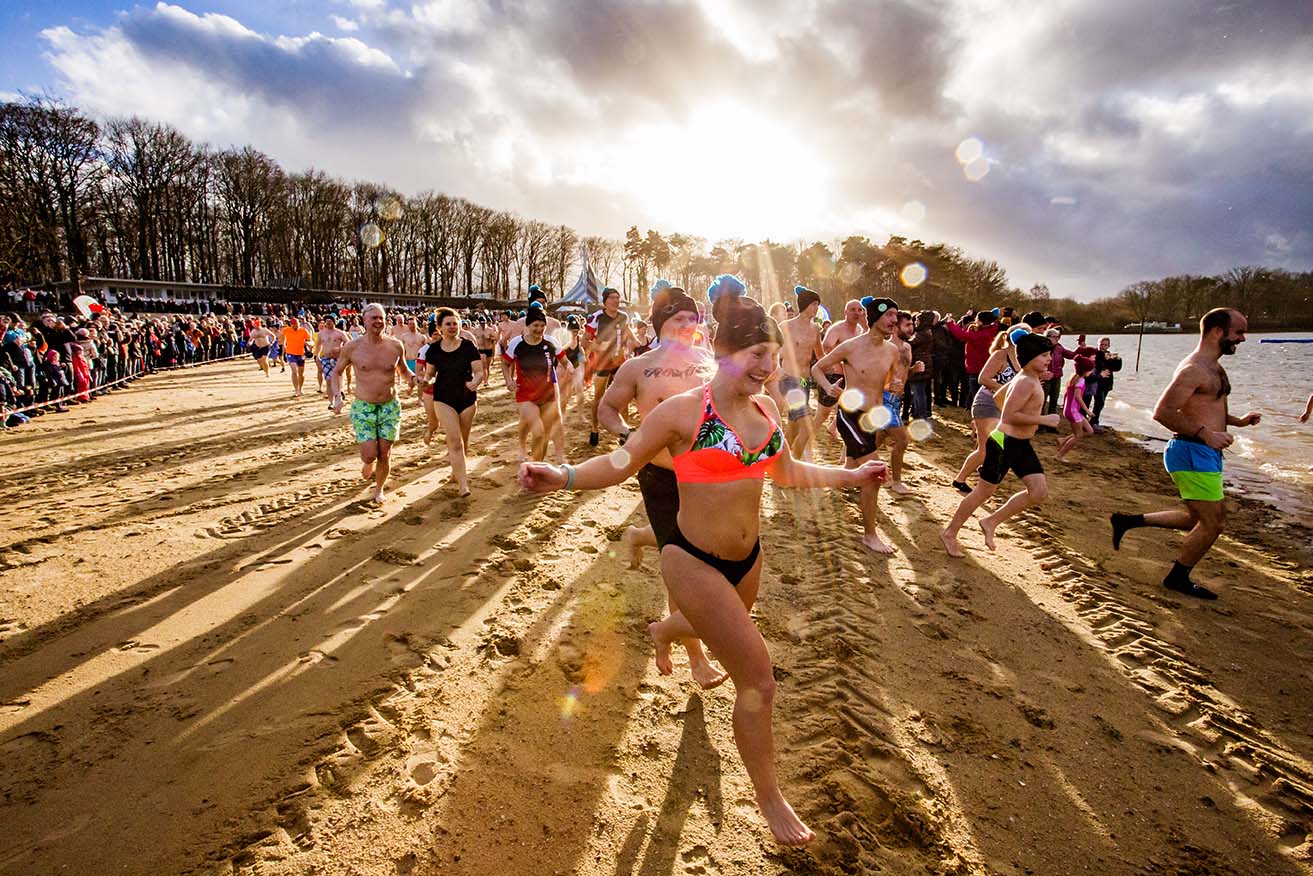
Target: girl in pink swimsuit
[1074, 410]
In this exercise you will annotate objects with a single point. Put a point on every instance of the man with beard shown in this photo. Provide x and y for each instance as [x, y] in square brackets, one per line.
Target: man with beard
[1194, 409]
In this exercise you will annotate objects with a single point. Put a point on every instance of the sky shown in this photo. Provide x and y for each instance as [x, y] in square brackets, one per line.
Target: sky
[1084, 145]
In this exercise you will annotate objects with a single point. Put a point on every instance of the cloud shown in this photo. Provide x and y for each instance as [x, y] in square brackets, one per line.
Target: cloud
[1122, 141]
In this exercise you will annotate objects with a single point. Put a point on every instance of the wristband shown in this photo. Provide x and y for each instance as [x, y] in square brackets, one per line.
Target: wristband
[623, 438]
[569, 475]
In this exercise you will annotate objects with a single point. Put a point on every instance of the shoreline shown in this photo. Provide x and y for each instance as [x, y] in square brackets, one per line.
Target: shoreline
[192, 589]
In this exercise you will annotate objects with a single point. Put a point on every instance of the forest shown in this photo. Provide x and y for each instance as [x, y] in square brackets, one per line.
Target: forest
[132, 198]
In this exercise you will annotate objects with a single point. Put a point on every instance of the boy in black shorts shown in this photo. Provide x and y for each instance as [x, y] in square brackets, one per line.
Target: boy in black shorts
[1009, 449]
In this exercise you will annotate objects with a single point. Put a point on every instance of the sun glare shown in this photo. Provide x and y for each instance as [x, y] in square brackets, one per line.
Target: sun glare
[728, 171]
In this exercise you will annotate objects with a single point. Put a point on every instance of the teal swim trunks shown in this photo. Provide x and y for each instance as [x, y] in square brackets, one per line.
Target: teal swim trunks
[1196, 468]
[376, 421]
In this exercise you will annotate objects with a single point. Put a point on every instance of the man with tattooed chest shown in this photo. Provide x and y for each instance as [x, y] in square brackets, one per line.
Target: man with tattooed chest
[674, 366]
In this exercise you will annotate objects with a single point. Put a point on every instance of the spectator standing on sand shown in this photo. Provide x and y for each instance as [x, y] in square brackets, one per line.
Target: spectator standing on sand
[1106, 365]
[976, 341]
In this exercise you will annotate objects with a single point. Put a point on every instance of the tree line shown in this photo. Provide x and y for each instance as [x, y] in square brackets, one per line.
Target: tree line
[133, 198]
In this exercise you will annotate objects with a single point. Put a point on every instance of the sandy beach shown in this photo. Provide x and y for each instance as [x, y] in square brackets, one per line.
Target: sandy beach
[215, 658]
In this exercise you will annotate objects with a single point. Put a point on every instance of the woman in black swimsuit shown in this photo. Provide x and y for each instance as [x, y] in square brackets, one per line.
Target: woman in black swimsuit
[454, 369]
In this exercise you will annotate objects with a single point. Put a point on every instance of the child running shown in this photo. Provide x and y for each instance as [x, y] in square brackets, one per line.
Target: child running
[1008, 448]
[1074, 410]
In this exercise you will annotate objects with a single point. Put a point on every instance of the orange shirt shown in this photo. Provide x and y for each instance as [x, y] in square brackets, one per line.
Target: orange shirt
[295, 339]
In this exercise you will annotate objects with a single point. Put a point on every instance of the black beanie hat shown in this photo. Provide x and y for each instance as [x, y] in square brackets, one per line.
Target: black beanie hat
[666, 303]
[806, 297]
[1031, 345]
[742, 323]
[877, 307]
[534, 314]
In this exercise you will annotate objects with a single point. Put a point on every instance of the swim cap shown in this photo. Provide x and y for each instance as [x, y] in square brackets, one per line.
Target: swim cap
[744, 323]
[536, 293]
[1031, 345]
[1015, 334]
[806, 297]
[877, 307]
[666, 303]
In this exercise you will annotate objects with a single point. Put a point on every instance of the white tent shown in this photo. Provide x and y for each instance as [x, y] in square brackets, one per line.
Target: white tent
[587, 291]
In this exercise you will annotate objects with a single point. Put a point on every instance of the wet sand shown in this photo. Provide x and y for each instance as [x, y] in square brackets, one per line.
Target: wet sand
[216, 658]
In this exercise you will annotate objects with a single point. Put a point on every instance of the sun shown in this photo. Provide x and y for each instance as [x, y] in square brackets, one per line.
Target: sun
[727, 171]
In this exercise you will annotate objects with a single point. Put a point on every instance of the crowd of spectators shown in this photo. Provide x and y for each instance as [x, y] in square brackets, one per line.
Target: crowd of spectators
[955, 349]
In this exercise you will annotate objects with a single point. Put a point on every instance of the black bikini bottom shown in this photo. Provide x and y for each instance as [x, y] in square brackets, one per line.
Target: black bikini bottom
[733, 570]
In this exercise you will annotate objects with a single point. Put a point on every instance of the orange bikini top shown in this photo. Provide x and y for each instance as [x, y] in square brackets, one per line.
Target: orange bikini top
[718, 456]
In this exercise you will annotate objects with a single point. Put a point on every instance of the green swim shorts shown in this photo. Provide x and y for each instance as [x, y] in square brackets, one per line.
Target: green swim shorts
[376, 421]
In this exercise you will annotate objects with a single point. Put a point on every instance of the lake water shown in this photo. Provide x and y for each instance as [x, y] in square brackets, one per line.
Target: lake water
[1272, 461]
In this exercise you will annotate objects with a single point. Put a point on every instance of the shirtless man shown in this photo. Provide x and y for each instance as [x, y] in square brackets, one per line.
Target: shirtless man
[792, 389]
[896, 431]
[1194, 408]
[331, 339]
[407, 331]
[866, 361]
[853, 324]
[1009, 449]
[261, 340]
[606, 338]
[675, 366]
[376, 360]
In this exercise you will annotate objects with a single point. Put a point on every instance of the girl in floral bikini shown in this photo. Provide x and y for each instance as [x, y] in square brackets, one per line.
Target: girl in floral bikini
[723, 437]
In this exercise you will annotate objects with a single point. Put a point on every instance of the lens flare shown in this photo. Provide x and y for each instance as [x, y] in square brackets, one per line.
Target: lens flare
[570, 704]
[913, 211]
[976, 170]
[560, 336]
[969, 150]
[913, 275]
[875, 419]
[920, 430]
[851, 400]
[796, 399]
[620, 458]
[371, 235]
[850, 273]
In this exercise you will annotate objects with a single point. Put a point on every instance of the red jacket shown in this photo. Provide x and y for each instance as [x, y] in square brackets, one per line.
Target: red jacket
[977, 342]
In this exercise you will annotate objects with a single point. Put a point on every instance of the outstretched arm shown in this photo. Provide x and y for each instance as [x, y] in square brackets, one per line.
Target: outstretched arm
[790, 472]
[659, 430]
[1308, 410]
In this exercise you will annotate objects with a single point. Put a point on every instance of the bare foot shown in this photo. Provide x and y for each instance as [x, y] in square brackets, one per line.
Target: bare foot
[367, 470]
[898, 488]
[705, 674]
[378, 497]
[872, 541]
[987, 527]
[951, 547]
[463, 490]
[784, 822]
[428, 435]
[664, 666]
[635, 549]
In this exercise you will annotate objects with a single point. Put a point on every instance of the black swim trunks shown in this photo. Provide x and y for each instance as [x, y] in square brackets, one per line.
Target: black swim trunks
[829, 401]
[1003, 453]
[661, 499]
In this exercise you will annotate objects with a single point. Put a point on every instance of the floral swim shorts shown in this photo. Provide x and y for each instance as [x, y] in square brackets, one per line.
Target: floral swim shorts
[376, 421]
